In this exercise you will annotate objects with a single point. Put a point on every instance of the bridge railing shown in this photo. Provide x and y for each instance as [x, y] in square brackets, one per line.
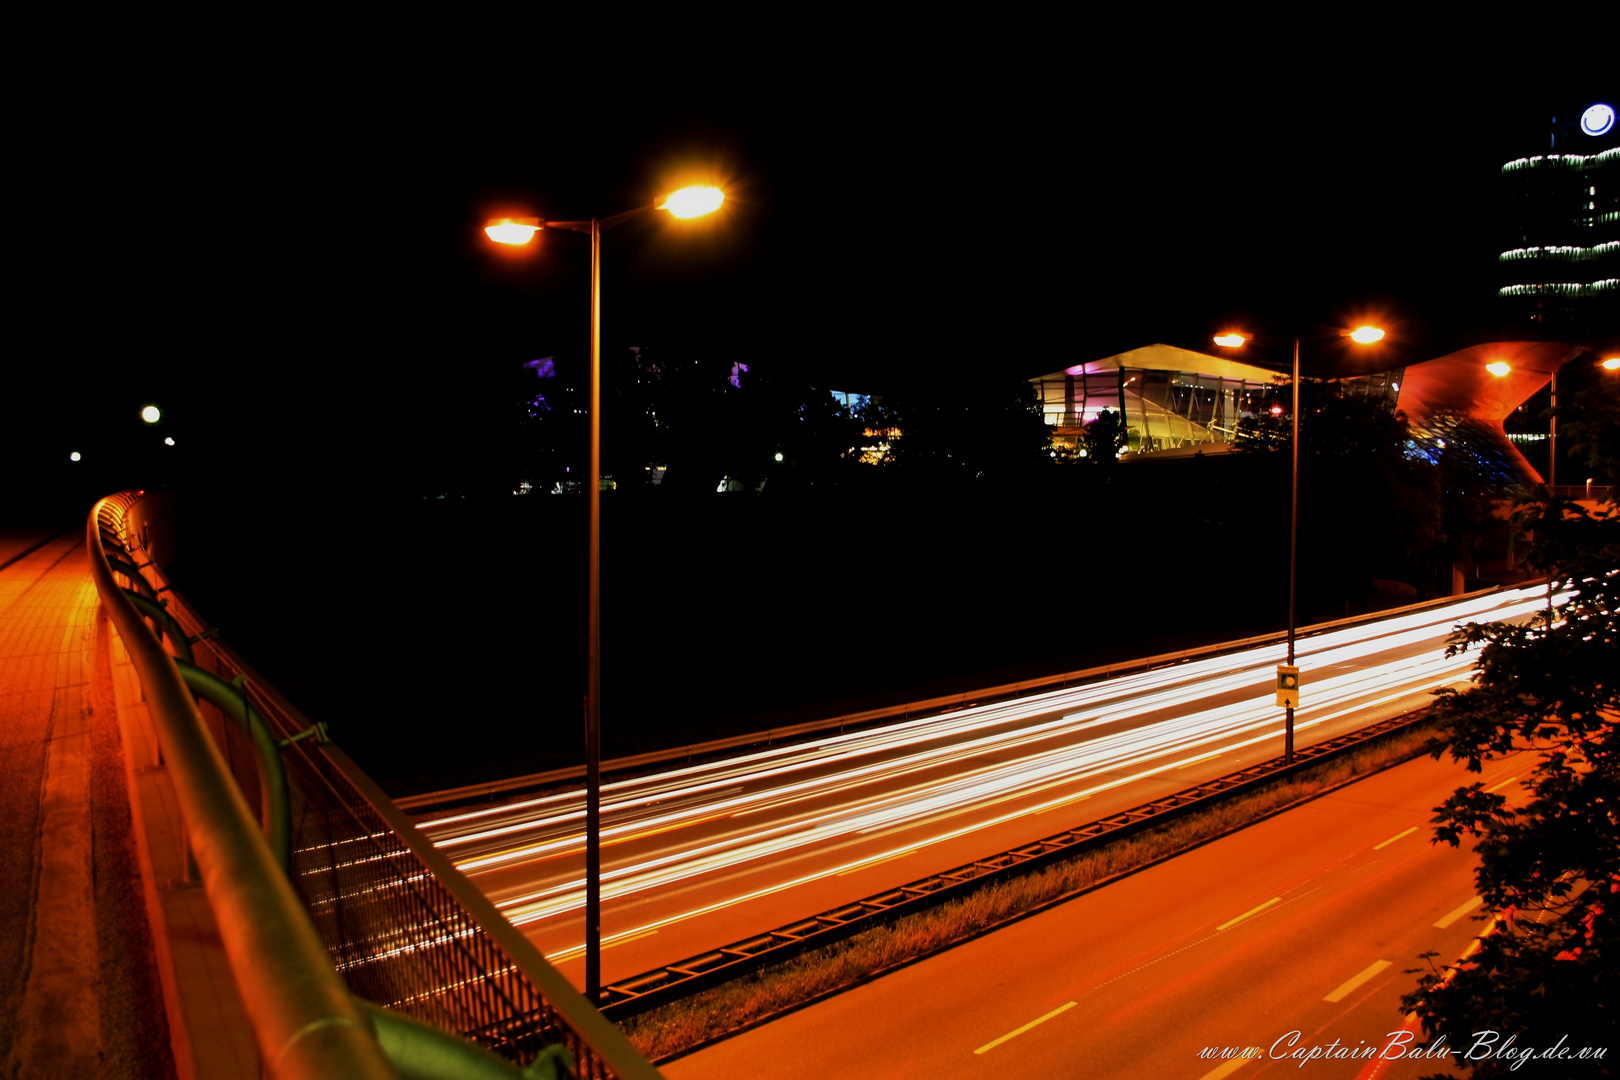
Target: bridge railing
[306, 1023]
[1588, 490]
[402, 926]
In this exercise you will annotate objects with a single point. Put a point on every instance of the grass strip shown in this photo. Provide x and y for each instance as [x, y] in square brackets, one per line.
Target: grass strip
[680, 1027]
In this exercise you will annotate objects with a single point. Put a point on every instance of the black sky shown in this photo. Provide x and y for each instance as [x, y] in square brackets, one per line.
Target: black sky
[292, 265]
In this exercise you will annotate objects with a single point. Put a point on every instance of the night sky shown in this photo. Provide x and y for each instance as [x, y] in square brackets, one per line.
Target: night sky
[291, 266]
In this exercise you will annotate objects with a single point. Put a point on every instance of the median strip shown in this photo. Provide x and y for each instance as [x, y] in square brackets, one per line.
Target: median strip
[835, 959]
[991, 1045]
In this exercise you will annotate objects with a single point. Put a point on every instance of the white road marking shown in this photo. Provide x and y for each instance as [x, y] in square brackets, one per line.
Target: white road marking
[1458, 912]
[1344, 989]
[1033, 1023]
[1252, 911]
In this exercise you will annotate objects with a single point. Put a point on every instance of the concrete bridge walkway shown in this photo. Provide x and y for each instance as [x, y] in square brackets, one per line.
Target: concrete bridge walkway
[79, 993]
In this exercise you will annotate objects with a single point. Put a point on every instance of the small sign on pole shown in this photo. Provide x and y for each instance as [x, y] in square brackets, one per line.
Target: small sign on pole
[1288, 685]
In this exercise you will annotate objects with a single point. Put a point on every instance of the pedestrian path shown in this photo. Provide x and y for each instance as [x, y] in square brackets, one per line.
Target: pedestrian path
[76, 985]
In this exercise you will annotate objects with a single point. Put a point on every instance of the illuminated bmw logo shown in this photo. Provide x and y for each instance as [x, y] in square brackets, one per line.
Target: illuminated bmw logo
[1598, 120]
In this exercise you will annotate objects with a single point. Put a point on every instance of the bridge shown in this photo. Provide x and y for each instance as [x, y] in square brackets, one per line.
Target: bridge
[192, 870]
[164, 800]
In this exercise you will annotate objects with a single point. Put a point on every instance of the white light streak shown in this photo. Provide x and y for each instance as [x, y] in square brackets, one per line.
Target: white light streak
[959, 773]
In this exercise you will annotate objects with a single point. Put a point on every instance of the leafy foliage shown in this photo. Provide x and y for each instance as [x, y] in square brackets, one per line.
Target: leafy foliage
[1368, 508]
[989, 428]
[1551, 868]
[1104, 438]
[1592, 427]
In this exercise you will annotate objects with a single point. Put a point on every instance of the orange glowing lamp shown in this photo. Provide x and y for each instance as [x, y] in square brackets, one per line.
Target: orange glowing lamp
[691, 202]
[1229, 341]
[508, 230]
[1498, 368]
[1366, 335]
[1612, 364]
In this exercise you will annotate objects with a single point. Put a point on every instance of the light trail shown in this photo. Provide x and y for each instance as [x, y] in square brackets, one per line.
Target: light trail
[650, 789]
[958, 773]
[986, 787]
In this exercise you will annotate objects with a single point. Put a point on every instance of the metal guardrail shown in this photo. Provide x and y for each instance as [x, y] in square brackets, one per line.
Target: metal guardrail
[628, 997]
[304, 1020]
[417, 804]
[401, 926]
[1599, 492]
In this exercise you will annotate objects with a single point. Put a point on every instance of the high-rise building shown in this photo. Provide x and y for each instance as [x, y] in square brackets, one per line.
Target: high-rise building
[1559, 267]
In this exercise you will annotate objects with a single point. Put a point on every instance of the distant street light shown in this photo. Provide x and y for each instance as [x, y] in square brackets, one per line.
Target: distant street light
[1498, 368]
[686, 203]
[151, 415]
[74, 456]
[1364, 335]
[1612, 364]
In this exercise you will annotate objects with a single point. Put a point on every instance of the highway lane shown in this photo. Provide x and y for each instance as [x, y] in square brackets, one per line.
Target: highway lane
[1297, 932]
[694, 857]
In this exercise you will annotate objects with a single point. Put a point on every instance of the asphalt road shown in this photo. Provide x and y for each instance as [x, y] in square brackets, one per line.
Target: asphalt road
[696, 857]
[1293, 934]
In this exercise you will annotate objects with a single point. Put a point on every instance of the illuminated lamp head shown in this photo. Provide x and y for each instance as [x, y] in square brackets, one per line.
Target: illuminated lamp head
[1612, 364]
[151, 415]
[509, 230]
[691, 202]
[1276, 410]
[1229, 341]
[1498, 368]
[1366, 335]
[75, 456]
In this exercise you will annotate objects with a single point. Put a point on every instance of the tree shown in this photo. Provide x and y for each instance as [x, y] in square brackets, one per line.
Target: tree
[987, 428]
[1370, 506]
[1592, 429]
[1466, 505]
[1105, 437]
[1550, 870]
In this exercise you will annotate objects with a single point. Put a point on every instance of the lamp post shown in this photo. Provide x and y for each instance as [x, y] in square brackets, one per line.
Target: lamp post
[686, 203]
[1363, 335]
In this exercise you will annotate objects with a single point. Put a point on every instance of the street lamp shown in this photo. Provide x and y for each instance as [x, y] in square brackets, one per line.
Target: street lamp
[685, 203]
[1362, 335]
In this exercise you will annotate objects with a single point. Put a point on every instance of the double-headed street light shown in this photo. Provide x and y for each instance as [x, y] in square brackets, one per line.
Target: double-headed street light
[1288, 675]
[688, 202]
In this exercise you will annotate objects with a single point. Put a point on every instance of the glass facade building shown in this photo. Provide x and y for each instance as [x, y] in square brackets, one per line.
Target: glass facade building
[1177, 401]
[1171, 399]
